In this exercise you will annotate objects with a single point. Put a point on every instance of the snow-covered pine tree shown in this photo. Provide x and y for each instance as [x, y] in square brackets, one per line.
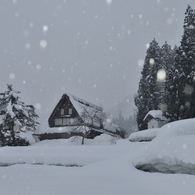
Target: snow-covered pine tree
[148, 94]
[185, 67]
[140, 104]
[169, 55]
[157, 77]
[16, 117]
[168, 84]
[171, 95]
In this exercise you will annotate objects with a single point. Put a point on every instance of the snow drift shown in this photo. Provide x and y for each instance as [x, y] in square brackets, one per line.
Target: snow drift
[172, 151]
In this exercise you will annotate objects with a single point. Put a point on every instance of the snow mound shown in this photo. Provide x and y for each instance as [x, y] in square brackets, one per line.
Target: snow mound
[172, 151]
[146, 135]
[177, 128]
[101, 140]
[28, 136]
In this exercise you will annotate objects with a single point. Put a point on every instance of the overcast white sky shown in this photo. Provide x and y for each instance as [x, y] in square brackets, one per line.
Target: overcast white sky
[90, 48]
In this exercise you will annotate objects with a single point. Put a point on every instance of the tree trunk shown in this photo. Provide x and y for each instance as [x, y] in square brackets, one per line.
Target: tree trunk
[13, 137]
[83, 140]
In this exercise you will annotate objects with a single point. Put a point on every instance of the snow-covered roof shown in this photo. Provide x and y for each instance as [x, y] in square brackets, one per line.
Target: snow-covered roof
[78, 103]
[155, 114]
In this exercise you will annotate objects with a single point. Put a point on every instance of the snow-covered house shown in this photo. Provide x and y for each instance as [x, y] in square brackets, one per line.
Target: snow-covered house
[155, 119]
[72, 115]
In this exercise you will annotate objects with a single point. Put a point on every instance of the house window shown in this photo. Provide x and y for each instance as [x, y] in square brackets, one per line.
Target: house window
[70, 111]
[58, 121]
[62, 111]
[66, 121]
[66, 111]
[72, 121]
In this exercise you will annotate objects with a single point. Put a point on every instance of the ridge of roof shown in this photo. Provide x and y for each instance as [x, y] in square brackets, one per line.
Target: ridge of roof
[84, 102]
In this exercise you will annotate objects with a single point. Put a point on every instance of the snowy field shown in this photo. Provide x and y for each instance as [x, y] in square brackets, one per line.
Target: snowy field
[104, 165]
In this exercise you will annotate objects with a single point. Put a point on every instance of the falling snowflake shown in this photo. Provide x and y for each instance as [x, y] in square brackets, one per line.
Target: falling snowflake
[188, 89]
[187, 104]
[184, 146]
[147, 45]
[26, 33]
[27, 46]
[108, 120]
[37, 106]
[108, 1]
[12, 76]
[140, 62]
[147, 23]
[163, 107]
[43, 44]
[45, 28]
[31, 24]
[169, 20]
[17, 14]
[38, 66]
[151, 61]
[161, 75]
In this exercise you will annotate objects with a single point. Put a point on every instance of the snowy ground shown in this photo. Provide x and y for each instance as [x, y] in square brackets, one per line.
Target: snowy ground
[103, 166]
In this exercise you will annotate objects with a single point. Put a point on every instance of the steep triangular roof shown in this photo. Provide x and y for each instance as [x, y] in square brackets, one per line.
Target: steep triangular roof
[77, 103]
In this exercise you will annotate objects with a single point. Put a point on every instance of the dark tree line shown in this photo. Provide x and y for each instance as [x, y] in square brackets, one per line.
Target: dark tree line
[168, 77]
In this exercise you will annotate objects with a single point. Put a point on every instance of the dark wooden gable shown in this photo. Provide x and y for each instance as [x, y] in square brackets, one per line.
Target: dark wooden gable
[148, 118]
[64, 114]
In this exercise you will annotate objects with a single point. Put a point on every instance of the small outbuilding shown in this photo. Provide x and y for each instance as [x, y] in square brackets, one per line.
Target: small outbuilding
[155, 119]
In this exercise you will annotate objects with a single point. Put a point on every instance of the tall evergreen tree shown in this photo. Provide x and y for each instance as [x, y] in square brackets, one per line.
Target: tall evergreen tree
[185, 68]
[168, 55]
[171, 95]
[16, 117]
[148, 94]
[178, 101]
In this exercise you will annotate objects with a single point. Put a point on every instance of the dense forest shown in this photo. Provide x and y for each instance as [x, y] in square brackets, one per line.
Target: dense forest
[168, 77]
